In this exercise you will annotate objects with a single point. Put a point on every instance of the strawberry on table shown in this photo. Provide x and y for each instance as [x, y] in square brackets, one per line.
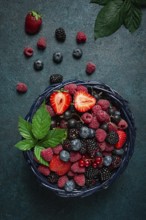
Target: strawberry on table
[83, 101]
[33, 22]
[60, 101]
[122, 139]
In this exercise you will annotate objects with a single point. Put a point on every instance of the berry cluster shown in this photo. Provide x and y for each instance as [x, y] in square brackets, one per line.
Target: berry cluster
[96, 137]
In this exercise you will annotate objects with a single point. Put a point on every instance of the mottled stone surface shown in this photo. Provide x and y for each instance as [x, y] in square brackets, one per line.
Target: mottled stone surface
[121, 63]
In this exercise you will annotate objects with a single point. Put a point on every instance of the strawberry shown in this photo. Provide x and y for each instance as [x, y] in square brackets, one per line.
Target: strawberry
[59, 166]
[122, 139]
[83, 101]
[60, 101]
[33, 22]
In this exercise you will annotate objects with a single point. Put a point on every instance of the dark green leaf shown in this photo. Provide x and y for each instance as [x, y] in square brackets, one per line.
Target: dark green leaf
[25, 128]
[37, 153]
[41, 122]
[139, 2]
[100, 2]
[55, 137]
[109, 19]
[25, 145]
[132, 17]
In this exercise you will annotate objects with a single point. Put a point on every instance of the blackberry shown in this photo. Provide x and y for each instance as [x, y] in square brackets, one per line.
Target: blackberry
[73, 133]
[112, 137]
[104, 174]
[56, 78]
[116, 161]
[91, 173]
[60, 34]
[67, 145]
[53, 177]
[83, 150]
[90, 182]
[91, 146]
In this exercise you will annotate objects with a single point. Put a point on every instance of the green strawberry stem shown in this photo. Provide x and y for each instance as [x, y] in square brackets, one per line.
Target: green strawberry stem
[36, 15]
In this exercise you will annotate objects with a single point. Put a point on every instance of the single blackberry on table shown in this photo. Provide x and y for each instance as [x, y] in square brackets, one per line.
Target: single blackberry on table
[91, 146]
[67, 145]
[73, 133]
[91, 173]
[56, 78]
[112, 137]
[104, 174]
[60, 34]
[53, 177]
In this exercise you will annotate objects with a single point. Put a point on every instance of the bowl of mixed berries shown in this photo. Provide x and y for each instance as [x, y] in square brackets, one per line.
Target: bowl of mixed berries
[82, 137]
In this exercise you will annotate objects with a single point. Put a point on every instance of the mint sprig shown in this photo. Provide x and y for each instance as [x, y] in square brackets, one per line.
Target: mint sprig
[37, 153]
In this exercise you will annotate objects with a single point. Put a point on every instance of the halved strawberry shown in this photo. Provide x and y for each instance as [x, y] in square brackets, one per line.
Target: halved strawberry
[60, 101]
[122, 139]
[59, 166]
[83, 101]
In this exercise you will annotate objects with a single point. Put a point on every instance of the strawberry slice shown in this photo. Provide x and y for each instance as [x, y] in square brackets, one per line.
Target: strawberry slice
[58, 166]
[122, 139]
[83, 101]
[60, 101]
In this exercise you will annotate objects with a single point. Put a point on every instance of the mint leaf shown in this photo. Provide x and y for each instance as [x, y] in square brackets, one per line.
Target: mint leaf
[25, 128]
[132, 17]
[109, 19]
[41, 122]
[55, 137]
[37, 153]
[25, 145]
[100, 2]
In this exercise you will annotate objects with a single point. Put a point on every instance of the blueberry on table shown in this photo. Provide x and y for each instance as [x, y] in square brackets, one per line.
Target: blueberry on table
[38, 65]
[57, 57]
[77, 53]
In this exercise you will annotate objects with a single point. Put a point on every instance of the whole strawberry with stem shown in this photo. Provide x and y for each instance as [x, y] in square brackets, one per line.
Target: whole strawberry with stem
[33, 22]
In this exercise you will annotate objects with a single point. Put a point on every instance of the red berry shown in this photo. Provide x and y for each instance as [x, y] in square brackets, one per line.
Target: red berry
[100, 135]
[87, 117]
[33, 22]
[90, 68]
[21, 87]
[41, 44]
[81, 163]
[104, 104]
[94, 165]
[99, 160]
[28, 51]
[87, 163]
[82, 88]
[71, 88]
[81, 37]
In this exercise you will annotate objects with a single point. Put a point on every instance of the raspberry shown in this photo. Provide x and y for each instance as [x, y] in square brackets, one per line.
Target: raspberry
[47, 154]
[100, 135]
[44, 170]
[77, 169]
[81, 37]
[105, 104]
[71, 88]
[41, 44]
[75, 156]
[28, 51]
[61, 181]
[90, 68]
[82, 88]
[122, 125]
[112, 127]
[50, 110]
[21, 87]
[95, 109]
[105, 153]
[102, 145]
[80, 179]
[63, 124]
[109, 148]
[87, 118]
[94, 124]
[60, 34]
[70, 173]
[57, 149]
[102, 116]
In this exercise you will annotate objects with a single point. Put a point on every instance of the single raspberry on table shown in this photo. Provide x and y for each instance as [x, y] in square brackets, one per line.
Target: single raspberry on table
[75, 156]
[44, 170]
[50, 110]
[21, 87]
[62, 181]
[94, 124]
[105, 104]
[80, 179]
[71, 88]
[102, 116]
[28, 51]
[57, 149]
[82, 88]
[47, 154]
[42, 43]
[87, 118]
[90, 68]
[100, 135]
[76, 168]
[81, 37]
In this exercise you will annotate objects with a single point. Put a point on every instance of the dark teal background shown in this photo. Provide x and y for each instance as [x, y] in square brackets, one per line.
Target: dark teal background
[121, 63]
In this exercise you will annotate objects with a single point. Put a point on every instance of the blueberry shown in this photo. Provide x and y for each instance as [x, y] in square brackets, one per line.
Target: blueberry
[119, 151]
[76, 144]
[107, 161]
[38, 65]
[64, 155]
[111, 111]
[57, 57]
[69, 186]
[117, 113]
[72, 123]
[84, 132]
[91, 133]
[77, 53]
[116, 118]
[53, 123]
[104, 126]
[67, 115]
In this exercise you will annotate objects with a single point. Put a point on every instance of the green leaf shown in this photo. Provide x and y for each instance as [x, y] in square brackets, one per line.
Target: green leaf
[109, 19]
[25, 128]
[55, 137]
[25, 145]
[41, 122]
[132, 17]
[139, 2]
[37, 153]
[100, 2]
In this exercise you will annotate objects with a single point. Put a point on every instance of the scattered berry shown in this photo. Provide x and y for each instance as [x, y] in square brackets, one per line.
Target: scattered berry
[38, 65]
[90, 68]
[77, 53]
[47, 154]
[76, 168]
[69, 186]
[105, 104]
[57, 149]
[81, 37]
[50, 110]
[86, 118]
[112, 137]
[94, 124]
[75, 156]
[57, 57]
[56, 78]
[28, 51]
[44, 170]
[64, 155]
[81, 88]
[60, 34]
[100, 135]
[122, 124]
[33, 22]
[80, 179]
[42, 43]
[21, 87]
[71, 88]
[62, 181]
